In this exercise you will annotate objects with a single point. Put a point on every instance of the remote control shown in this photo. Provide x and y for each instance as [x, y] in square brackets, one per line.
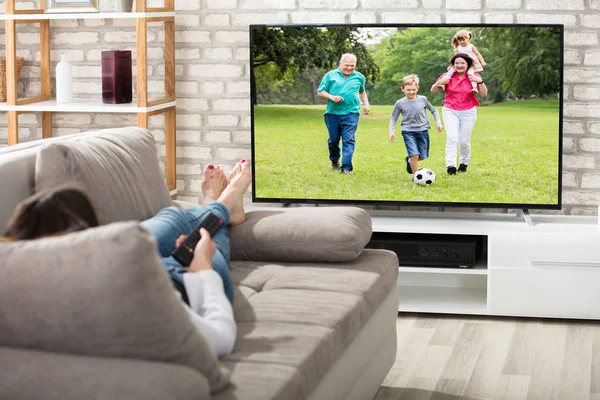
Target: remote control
[185, 252]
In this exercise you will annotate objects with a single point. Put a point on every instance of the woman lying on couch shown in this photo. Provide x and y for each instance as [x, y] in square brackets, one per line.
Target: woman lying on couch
[206, 280]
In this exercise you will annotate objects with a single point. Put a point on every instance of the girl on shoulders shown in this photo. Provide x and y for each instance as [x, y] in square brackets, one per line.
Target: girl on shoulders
[462, 44]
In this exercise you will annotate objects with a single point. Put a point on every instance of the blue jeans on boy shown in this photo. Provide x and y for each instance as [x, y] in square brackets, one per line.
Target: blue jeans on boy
[341, 127]
[169, 223]
[417, 143]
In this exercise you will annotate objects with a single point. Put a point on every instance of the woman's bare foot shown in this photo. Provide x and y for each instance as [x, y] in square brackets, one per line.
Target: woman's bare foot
[213, 184]
[235, 171]
[232, 197]
[239, 203]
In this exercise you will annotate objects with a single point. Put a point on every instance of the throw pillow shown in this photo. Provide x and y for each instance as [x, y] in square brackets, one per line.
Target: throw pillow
[98, 292]
[328, 234]
[118, 168]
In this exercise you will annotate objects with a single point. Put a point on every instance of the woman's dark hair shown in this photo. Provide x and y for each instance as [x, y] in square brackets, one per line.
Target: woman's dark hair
[46, 213]
[465, 57]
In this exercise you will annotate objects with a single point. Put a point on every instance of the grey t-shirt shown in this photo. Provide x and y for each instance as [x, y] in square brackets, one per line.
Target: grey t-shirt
[414, 116]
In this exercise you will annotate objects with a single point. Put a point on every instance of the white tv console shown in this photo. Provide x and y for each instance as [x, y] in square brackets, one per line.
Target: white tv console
[550, 269]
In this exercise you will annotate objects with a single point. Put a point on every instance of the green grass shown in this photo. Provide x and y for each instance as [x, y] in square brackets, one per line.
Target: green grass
[514, 157]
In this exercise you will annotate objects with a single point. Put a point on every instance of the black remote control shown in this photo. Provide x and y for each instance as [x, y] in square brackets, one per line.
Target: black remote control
[185, 252]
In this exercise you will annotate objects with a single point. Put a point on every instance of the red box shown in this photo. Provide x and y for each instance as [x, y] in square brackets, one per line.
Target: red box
[117, 85]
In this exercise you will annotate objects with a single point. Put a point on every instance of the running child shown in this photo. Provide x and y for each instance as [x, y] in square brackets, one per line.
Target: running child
[415, 123]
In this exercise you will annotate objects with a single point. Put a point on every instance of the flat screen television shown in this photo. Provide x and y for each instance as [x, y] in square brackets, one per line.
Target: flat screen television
[515, 145]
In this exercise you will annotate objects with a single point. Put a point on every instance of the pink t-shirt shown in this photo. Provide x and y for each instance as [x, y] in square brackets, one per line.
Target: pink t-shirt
[458, 94]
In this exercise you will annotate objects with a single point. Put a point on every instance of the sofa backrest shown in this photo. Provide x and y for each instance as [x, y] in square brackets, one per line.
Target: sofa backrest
[18, 166]
[17, 174]
[17, 181]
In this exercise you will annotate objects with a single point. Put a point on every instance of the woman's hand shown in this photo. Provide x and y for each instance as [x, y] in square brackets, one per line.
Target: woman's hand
[476, 79]
[440, 128]
[392, 136]
[203, 253]
[336, 99]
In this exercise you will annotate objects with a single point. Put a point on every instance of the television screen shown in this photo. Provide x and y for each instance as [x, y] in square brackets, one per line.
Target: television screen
[414, 115]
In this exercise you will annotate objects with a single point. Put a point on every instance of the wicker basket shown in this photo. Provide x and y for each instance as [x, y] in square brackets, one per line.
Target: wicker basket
[3, 75]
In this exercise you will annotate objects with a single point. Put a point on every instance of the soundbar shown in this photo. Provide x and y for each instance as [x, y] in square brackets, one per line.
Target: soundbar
[430, 250]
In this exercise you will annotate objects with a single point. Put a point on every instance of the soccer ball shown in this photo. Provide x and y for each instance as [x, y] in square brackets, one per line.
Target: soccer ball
[424, 176]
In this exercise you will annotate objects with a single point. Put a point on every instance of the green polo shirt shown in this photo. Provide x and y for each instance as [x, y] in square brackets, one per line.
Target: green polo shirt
[336, 84]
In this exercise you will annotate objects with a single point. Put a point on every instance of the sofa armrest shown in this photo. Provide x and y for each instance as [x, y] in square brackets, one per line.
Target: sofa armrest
[32, 374]
[305, 234]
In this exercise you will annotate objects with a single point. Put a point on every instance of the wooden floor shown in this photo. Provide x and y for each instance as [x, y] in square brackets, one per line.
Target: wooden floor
[465, 357]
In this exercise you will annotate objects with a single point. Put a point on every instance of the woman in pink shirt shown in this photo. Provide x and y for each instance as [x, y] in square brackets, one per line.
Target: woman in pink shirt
[459, 111]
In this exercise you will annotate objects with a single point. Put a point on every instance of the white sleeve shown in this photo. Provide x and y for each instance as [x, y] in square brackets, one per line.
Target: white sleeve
[210, 310]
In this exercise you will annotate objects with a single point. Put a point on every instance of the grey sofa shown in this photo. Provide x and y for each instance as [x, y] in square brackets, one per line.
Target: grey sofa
[315, 312]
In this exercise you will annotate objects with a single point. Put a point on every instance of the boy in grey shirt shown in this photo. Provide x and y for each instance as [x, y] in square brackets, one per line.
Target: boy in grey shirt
[415, 123]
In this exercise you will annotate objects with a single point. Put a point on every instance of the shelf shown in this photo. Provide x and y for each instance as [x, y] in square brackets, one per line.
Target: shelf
[457, 223]
[84, 105]
[446, 223]
[547, 270]
[478, 269]
[93, 104]
[443, 300]
[110, 15]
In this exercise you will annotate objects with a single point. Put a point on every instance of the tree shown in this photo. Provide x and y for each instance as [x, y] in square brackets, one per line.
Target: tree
[421, 51]
[299, 52]
[280, 49]
[287, 47]
[524, 60]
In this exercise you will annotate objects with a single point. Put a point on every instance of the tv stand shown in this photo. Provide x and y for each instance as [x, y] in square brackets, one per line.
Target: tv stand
[525, 214]
[547, 268]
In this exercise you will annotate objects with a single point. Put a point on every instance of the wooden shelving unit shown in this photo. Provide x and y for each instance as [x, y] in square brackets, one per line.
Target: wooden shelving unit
[145, 107]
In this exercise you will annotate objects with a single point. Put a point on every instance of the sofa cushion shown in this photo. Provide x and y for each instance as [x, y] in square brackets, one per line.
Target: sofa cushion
[99, 292]
[119, 170]
[296, 319]
[33, 374]
[322, 234]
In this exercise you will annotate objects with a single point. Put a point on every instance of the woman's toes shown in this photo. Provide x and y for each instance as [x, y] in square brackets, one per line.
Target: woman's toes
[235, 171]
[208, 171]
[245, 173]
[213, 184]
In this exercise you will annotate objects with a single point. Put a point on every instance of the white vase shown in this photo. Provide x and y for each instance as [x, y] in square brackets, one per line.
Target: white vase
[64, 81]
[125, 5]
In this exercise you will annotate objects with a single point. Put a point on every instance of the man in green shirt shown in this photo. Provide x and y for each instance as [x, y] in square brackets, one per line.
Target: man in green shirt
[344, 88]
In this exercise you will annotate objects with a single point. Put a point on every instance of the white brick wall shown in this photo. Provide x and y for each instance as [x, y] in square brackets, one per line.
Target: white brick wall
[326, 4]
[463, 4]
[213, 108]
[555, 5]
[407, 17]
[504, 4]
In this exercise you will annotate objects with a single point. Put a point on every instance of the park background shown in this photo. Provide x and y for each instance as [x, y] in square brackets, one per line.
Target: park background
[515, 143]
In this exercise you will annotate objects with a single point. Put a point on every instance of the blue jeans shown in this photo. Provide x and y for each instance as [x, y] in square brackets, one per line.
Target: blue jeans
[341, 127]
[169, 223]
[417, 143]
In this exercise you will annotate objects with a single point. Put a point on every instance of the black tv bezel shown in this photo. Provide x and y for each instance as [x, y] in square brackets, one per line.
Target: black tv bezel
[404, 203]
